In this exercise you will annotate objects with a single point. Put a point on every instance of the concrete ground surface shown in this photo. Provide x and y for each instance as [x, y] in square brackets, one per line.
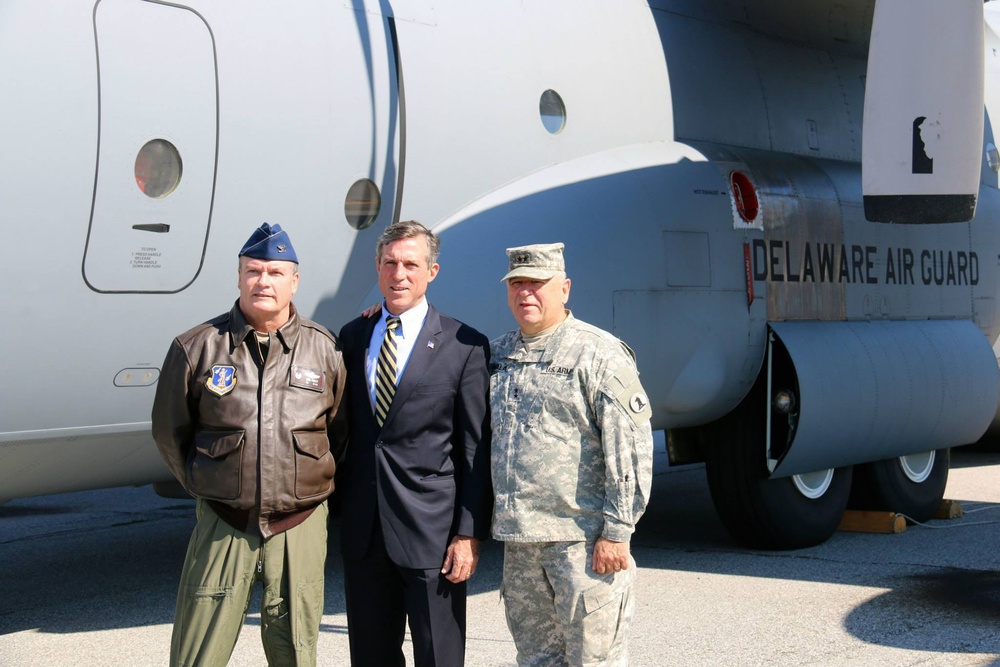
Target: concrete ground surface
[90, 578]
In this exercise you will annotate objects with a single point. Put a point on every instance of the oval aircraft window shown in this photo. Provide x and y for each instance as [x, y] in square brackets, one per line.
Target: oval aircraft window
[362, 204]
[158, 168]
[553, 111]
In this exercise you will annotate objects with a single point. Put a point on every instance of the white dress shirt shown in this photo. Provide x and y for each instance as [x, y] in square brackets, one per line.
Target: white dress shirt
[409, 327]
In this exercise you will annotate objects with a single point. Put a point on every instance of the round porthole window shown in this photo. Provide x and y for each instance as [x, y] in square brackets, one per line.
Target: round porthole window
[362, 204]
[158, 168]
[553, 111]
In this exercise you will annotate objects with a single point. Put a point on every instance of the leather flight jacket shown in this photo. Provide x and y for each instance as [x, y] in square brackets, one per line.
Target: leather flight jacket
[256, 428]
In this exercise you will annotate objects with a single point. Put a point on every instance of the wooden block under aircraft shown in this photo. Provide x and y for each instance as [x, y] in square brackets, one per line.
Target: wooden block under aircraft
[864, 521]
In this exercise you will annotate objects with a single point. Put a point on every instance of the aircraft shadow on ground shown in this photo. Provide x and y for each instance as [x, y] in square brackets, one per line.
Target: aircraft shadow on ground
[927, 609]
[924, 612]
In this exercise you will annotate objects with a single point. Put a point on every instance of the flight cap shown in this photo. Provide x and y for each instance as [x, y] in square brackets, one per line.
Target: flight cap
[269, 242]
[535, 262]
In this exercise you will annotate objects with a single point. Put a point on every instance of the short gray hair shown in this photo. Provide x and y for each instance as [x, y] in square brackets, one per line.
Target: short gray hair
[241, 258]
[409, 229]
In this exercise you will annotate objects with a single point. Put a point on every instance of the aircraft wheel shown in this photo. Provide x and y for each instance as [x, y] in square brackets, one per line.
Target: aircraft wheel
[910, 485]
[763, 513]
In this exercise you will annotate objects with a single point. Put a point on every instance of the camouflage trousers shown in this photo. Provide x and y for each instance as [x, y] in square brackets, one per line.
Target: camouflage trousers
[561, 612]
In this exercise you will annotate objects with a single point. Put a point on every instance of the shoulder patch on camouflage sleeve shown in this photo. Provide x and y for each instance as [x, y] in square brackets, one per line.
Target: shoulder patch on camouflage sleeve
[626, 389]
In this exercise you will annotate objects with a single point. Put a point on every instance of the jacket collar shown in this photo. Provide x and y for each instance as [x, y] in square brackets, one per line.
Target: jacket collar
[239, 328]
[552, 346]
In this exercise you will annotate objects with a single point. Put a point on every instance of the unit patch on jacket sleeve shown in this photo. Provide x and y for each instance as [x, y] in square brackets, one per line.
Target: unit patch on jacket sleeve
[223, 380]
[626, 389]
[307, 378]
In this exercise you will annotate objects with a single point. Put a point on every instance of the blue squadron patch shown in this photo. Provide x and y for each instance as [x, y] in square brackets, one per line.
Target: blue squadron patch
[223, 380]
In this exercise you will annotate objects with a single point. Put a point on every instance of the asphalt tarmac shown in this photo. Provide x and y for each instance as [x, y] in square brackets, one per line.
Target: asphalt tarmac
[90, 579]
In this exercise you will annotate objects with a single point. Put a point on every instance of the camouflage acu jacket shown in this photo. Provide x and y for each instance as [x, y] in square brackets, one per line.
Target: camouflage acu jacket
[572, 451]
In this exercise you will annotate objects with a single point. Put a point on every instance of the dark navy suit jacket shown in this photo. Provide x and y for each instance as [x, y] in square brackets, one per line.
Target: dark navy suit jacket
[425, 475]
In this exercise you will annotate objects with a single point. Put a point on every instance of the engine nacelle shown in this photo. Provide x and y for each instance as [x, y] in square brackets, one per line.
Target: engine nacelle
[848, 392]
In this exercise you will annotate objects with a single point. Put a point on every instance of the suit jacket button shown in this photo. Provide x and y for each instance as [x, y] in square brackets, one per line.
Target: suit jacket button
[378, 444]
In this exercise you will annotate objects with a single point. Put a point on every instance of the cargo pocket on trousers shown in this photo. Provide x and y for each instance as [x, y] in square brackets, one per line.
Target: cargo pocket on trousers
[605, 619]
[215, 469]
[314, 465]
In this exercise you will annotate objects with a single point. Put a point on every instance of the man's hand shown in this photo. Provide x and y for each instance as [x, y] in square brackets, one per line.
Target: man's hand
[610, 556]
[461, 559]
[372, 310]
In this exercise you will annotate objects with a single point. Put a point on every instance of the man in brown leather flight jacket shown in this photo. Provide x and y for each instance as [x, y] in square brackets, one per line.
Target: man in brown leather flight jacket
[248, 417]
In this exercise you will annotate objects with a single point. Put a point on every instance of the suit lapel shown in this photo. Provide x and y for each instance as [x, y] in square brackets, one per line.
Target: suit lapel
[358, 358]
[425, 347]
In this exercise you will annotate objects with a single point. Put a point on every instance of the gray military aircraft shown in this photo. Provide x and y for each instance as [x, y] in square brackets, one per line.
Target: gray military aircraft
[788, 209]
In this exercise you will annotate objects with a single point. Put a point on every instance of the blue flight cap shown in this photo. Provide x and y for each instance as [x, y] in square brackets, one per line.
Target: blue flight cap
[269, 242]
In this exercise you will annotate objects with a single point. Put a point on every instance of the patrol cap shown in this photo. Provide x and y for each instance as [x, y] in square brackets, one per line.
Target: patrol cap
[269, 242]
[535, 262]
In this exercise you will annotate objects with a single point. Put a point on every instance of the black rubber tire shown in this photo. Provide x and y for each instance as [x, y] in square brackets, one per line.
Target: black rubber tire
[760, 512]
[882, 485]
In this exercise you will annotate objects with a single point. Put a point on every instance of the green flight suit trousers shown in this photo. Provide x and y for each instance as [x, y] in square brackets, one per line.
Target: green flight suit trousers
[220, 570]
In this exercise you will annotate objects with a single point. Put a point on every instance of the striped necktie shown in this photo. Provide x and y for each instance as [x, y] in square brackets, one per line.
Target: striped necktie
[385, 371]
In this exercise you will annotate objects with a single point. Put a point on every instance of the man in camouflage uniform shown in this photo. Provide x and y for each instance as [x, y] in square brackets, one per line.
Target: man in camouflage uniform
[572, 460]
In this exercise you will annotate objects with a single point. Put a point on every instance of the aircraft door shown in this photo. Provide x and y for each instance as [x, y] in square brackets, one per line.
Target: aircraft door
[371, 76]
[157, 147]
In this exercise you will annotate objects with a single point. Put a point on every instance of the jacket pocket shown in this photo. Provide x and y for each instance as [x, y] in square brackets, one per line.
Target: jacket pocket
[560, 406]
[216, 465]
[314, 464]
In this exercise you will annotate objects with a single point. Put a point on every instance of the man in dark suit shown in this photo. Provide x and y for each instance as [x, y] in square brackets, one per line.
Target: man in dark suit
[416, 495]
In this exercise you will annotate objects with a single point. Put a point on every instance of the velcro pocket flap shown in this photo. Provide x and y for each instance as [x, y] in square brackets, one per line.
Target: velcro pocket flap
[600, 596]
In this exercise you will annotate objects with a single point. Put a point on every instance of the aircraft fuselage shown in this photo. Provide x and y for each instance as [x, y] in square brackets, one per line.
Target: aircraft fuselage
[703, 170]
